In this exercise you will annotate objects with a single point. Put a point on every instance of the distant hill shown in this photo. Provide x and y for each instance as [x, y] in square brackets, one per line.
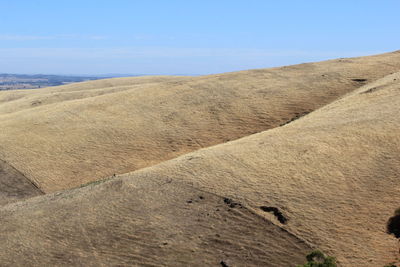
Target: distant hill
[26, 81]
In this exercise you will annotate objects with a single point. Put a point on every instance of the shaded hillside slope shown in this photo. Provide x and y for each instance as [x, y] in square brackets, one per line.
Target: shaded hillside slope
[333, 175]
[14, 186]
[60, 141]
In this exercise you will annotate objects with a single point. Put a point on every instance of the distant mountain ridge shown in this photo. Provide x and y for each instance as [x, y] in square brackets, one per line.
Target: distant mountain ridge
[10, 81]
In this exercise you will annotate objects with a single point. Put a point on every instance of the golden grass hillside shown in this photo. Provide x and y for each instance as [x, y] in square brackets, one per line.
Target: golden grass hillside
[332, 176]
[63, 137]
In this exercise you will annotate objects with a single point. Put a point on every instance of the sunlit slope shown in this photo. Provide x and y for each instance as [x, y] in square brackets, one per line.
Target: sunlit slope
[149, 222]
[62, 144]
[333, 175]
[17, 100]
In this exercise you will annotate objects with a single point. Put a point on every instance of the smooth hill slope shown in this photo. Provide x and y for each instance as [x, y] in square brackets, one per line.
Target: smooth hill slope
[149, 222]
[61, 138]
[17, 100]
[332, 174]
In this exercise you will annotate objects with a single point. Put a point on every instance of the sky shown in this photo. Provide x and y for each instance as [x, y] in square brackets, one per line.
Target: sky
[188, 37]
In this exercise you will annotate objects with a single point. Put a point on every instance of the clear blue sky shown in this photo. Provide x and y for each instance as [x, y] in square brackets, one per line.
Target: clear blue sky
[188, 36]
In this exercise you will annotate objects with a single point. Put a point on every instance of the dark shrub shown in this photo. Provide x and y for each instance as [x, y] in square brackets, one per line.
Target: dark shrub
[393, 224]
[318, 259]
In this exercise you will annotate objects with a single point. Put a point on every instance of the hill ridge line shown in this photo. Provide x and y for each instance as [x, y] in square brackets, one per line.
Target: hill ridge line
[123, 89]
[288, 122]
[23, 175]
[61, 194]
[140, 128]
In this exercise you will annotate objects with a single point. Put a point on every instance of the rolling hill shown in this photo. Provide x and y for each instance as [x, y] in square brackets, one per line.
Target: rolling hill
[253, 168]
[63, 137]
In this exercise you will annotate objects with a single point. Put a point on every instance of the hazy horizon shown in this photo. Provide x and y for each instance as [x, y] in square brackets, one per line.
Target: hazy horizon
[179, 37]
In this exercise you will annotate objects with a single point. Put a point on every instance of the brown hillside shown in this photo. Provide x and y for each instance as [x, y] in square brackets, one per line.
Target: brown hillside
[63, 137]
[14, 186]
[147, 223]
[332, 174]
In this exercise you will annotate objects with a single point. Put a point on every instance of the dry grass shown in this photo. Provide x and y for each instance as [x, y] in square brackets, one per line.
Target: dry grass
[149, 222]
[14, 186]
[333, 174]
[66, 136]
